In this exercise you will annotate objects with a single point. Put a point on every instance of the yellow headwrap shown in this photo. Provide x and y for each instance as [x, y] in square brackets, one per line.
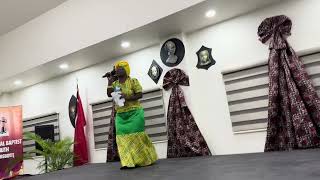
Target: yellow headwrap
[123, 64]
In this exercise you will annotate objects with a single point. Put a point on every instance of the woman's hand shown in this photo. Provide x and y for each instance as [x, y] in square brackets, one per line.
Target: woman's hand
[110, 89]
[111, 79]
[134, 97]
[124, 96]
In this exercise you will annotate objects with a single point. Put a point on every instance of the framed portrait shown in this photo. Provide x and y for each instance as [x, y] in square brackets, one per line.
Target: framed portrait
[172, 52]
[205, 59]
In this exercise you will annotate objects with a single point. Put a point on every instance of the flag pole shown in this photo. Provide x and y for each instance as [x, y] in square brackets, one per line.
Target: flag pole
[77, 87]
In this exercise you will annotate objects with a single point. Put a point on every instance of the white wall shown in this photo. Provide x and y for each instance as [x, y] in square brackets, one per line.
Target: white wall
[235, 45]
[5, 99]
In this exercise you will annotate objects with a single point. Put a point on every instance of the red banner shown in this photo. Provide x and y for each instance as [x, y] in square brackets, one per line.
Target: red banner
[11, 147]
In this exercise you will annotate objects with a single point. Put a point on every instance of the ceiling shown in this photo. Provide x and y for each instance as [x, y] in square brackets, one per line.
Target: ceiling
[186, 21]
[14, 13]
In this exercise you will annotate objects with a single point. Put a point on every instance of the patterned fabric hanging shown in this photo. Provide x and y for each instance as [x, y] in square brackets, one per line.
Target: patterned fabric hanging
[184, 136]
[294, 106]
[112, 151]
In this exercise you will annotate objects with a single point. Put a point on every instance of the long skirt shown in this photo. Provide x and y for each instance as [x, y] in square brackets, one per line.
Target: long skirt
[134, 145]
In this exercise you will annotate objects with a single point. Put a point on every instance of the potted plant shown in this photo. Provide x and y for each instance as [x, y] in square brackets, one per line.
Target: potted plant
[56, 155]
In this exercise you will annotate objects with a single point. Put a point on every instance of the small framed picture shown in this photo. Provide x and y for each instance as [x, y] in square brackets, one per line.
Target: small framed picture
[205, 59]
[73, 110]
[155, 71]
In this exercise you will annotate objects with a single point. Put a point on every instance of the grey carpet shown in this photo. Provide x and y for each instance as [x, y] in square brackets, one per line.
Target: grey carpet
[295, 165]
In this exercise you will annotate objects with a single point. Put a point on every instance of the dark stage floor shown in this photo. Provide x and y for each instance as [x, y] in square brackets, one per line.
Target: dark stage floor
[296, 165]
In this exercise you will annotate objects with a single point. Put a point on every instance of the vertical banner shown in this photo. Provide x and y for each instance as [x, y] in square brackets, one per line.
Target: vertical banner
[11, 147]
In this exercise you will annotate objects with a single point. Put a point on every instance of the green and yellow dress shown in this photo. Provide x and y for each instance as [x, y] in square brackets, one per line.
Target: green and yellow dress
[134, 146]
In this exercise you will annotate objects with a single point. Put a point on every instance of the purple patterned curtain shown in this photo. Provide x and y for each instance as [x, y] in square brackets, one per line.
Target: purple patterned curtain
[185, 138]
[112, 151]
[294, 106]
